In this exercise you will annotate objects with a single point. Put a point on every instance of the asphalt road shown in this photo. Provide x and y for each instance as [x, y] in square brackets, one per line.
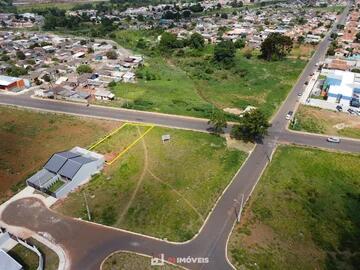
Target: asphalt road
[89, 244]
[106, 112]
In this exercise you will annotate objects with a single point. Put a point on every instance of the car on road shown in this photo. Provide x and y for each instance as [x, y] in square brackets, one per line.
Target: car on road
[307, 82]
[299, 94]
[333, 139]
[339, 108]
[289, 115]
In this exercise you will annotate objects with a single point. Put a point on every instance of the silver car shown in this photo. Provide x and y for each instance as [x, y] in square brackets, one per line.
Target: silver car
[333, 139]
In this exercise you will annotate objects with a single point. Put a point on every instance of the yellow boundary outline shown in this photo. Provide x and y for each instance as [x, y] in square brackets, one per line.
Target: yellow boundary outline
[129, 146]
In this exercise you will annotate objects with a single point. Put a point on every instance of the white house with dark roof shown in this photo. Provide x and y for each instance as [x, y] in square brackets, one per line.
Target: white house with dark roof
[65, 171]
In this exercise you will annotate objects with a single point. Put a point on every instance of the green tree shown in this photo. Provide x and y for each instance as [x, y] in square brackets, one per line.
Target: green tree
[196, 41]
[111, 55]
[218, 121]
[5, 57]
[252, 126]
[300, 39]
[83, 69]
[168, 42]
[15, 71]
[276, 47]
[240, 43]
[142, 44]
[20, 55]
[224, 52]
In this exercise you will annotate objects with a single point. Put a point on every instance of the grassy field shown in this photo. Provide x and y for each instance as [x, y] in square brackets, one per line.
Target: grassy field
[303, 214]
[316, 120]
[119, 141]
[28, 139]
[130, 261]
[30, 260]
[27, 258]
[51, 259]
[160, 189]
[29, 7]
[189, 83]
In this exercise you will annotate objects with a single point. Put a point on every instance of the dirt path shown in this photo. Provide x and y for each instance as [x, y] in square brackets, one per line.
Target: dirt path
[142, 176]
[177, 192]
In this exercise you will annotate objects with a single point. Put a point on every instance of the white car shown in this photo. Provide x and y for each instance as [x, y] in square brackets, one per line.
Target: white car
[333, 139]
[289, 115]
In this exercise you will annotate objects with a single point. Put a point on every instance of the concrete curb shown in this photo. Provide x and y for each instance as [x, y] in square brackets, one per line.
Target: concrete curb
[64, 263]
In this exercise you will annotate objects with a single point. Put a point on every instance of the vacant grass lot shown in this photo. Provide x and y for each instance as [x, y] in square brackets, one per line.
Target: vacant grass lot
[112, 146]
[172, 91]
[28, 139]
[30, 260]
[316, 120]
[188, 82]
[251, 82]
[130, 261]
[160, 189]
[303, 214]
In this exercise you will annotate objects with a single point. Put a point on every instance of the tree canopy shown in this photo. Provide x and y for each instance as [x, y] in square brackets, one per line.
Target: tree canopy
[252, 126]
[224, 52]
[276, 46]
[84, 69]
[196, 41]
[169, 41]
[218, 121]
[111, 55]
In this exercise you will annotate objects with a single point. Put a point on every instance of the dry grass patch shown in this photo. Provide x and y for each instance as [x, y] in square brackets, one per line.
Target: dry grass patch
[316, 120]
[28, 138]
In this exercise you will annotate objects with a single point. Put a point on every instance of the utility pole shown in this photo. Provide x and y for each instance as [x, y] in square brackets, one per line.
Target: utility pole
[87, 207]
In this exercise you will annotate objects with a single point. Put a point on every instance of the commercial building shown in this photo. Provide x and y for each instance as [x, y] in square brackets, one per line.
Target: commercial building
[11, 83]
[342, 87]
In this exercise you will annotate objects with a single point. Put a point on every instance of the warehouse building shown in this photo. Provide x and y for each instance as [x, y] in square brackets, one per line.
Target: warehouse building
[342, 87]
[8, 83]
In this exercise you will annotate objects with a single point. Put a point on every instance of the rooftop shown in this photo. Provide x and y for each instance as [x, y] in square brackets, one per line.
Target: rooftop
[6, 80]
[7, 262]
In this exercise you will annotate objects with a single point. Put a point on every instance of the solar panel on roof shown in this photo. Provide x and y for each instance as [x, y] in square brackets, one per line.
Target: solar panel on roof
[68, 154]
[82, 160]
[55, 163]
[69, 169]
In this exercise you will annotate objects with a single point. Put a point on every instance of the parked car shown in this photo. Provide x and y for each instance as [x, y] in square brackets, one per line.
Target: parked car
[333, 139]
[306, 83]
[339, 108]
[351, 111]
[289, 115]
[299, 94]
